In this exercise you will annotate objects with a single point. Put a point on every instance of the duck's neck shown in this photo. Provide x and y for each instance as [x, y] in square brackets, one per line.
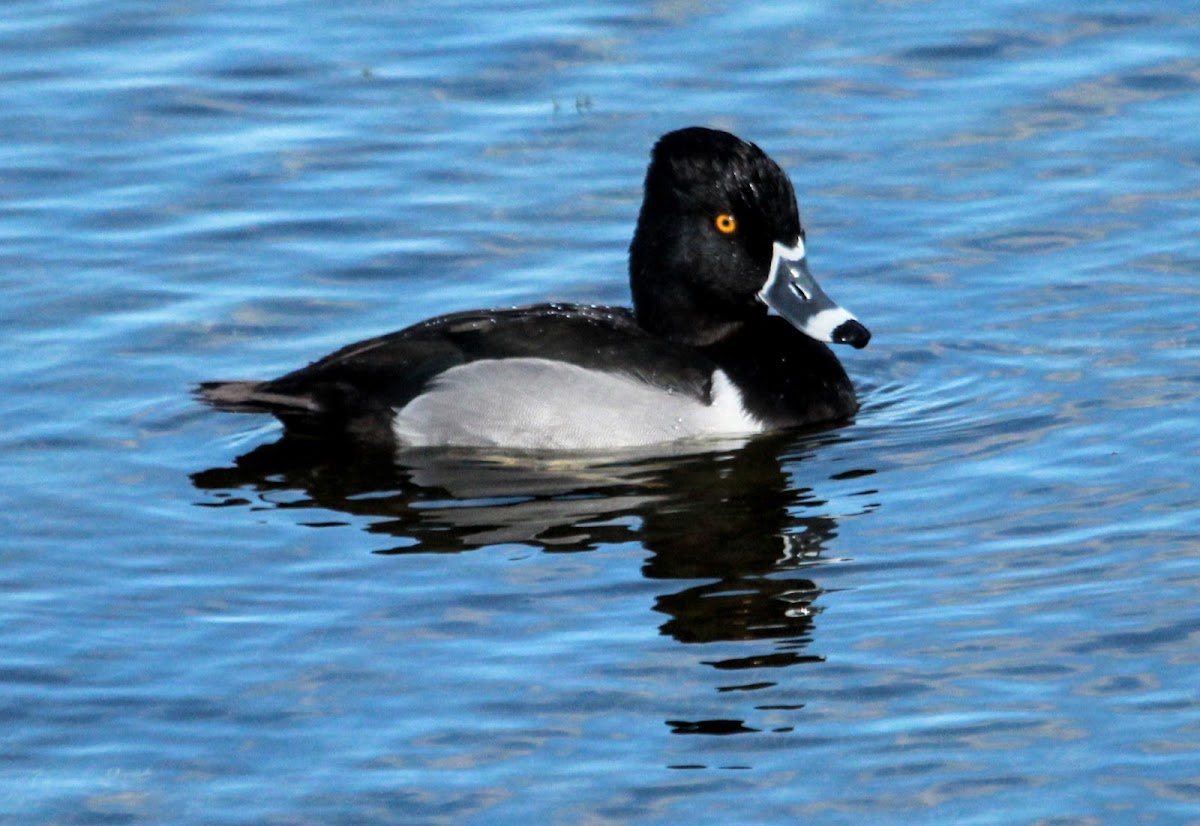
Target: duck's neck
[683, 324]
[666, 308]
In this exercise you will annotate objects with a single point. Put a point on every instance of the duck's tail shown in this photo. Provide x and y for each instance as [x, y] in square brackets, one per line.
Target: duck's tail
[253, 397]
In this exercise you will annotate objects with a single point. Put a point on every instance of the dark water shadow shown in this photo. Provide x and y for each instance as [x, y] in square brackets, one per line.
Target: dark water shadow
[726, 519]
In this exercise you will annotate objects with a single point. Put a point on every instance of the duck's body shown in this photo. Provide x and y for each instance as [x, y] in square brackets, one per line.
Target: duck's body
[718, 240]
[552, 376]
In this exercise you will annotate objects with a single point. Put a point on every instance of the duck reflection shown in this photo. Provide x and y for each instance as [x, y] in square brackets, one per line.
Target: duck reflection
[726, 515]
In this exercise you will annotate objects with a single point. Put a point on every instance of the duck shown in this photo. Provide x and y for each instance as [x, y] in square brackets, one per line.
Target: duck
[728, 336]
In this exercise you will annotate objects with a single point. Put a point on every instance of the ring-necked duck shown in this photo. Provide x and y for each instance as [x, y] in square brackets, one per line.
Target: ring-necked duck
[718, 244]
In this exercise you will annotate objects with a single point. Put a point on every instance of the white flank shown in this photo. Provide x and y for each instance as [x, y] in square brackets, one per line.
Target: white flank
[533, 403]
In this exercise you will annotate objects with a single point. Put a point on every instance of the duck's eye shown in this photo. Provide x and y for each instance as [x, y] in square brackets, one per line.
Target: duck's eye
[726, 224]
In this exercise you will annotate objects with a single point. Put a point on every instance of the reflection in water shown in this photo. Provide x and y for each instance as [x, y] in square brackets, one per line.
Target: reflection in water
[725, 515]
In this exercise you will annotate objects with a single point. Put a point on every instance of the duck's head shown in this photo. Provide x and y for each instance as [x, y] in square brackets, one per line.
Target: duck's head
[719, 243]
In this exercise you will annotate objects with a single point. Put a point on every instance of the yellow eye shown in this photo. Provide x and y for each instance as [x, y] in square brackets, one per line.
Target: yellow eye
[726, 224]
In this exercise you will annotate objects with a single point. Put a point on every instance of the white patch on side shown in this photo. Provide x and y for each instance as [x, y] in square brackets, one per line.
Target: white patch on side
[822, 325]
[533, 403]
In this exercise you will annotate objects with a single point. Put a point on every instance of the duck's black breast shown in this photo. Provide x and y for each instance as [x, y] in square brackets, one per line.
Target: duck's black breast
[359, 388]
[786, 378]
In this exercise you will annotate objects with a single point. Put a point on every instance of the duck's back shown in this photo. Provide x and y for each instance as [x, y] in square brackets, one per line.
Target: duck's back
[541, 376]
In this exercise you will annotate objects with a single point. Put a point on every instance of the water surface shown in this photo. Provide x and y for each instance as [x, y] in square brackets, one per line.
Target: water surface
[977, 603]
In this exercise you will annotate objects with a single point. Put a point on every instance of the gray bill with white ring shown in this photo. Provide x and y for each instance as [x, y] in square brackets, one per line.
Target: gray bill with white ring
[792, 292]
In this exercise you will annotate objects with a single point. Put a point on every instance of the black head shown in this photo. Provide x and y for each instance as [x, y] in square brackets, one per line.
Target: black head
[716, 211]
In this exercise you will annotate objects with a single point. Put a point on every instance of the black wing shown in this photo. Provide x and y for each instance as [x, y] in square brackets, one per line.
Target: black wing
[357, 387]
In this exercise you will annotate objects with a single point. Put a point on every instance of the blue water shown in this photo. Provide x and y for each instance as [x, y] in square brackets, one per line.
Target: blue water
[978, 603]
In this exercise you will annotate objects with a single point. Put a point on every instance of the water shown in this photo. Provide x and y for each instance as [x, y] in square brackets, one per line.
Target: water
[975, 604]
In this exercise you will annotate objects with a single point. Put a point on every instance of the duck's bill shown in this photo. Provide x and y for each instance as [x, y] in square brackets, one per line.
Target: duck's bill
[792, 292]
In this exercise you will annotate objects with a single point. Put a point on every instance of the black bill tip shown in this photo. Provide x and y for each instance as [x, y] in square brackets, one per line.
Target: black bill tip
[853, 333]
